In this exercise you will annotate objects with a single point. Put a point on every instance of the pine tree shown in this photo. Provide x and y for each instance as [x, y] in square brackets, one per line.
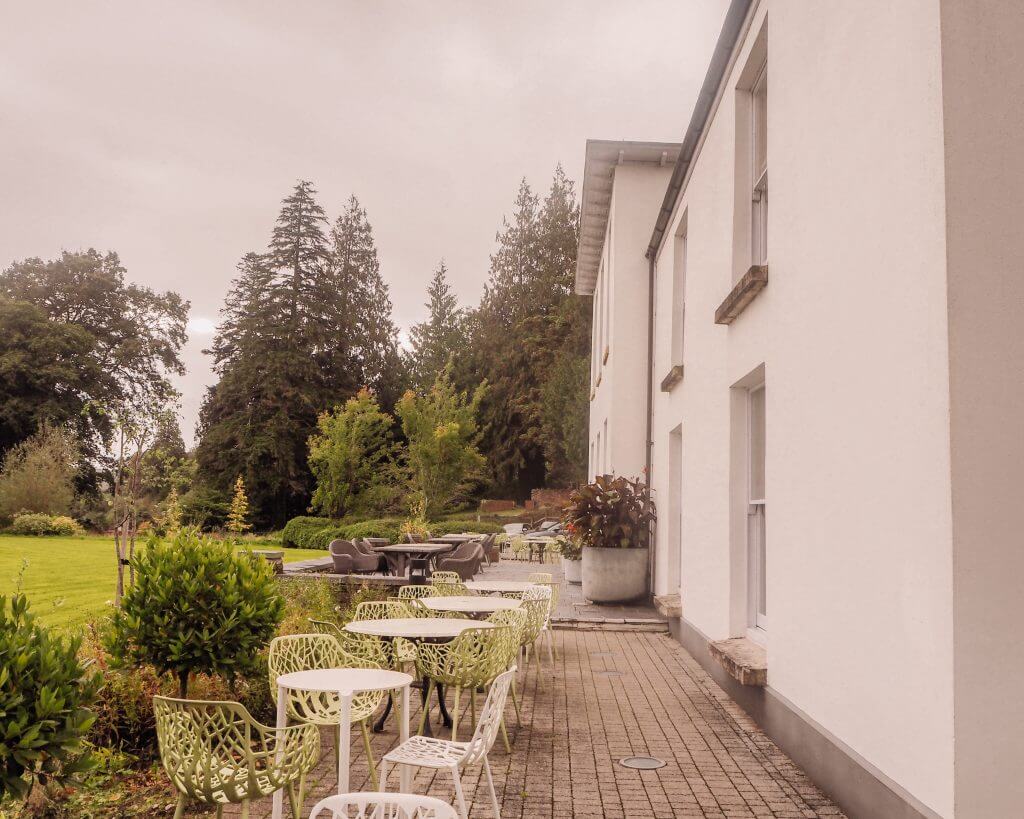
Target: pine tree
[441, 338]
[238, 516]
[170, 520]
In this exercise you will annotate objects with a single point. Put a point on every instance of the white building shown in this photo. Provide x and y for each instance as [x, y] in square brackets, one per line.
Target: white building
[830, 377]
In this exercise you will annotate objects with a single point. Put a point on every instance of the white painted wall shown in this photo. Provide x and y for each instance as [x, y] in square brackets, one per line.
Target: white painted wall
[852, 334]
[620, 400]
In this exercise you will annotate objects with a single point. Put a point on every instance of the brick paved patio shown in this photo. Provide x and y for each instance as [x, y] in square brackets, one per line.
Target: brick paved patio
[579, 721]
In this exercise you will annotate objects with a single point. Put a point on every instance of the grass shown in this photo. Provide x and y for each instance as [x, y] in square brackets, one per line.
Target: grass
[69, 580]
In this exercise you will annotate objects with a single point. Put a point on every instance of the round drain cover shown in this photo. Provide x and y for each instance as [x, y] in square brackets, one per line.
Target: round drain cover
[607, 673]
[642, 763]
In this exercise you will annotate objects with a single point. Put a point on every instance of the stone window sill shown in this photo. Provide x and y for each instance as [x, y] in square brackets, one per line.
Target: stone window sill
[743, 660]
[675, 375]
[753, 282]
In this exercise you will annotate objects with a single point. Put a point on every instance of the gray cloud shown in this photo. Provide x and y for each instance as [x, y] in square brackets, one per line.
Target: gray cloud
[170, 132]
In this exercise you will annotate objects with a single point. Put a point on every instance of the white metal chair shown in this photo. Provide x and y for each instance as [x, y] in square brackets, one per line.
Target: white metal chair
[427, 752]
[384, 806]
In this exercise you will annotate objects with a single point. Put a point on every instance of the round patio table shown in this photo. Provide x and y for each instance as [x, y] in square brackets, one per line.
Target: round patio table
[418, 630]
[472, 605]
[345, 682]
[498, 586]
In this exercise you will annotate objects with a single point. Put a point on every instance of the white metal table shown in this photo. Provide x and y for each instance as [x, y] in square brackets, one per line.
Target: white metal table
[498, 586]
[417, 630]
[472, 605]
[345, 682]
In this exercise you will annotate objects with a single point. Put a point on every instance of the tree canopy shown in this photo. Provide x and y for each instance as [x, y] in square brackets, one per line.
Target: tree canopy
[438, 340]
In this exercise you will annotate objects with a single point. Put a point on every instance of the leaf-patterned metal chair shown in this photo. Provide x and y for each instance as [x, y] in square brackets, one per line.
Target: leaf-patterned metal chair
[373, 650]
[448, 584]
[470, 661]
[415, 591]
[516, 620]
[420, 751]
[305, 652]
[537, 602]
[217, 754]
[545, 579]
[405, 651]
[384, 806]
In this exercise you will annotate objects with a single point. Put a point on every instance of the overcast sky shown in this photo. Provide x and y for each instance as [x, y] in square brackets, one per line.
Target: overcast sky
[170, 132]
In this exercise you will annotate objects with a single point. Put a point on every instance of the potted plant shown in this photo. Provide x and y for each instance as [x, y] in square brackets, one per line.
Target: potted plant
[612, 519]
[571, 549]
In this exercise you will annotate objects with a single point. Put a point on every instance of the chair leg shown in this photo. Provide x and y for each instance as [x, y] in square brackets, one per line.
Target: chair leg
[293, 800]
[472, 707]
[455, 714]
[245, 810]
[369, 755]
[426, 705]
[382, 772]
[179, 811]
[504, 735]
[460, 800]
[490, 784]
[515, 703]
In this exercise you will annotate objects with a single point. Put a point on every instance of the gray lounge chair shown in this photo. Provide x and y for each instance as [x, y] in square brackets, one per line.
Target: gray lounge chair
[361, 563]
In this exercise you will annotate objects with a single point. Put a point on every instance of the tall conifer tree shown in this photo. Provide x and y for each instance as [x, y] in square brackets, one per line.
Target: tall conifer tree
[441, 337]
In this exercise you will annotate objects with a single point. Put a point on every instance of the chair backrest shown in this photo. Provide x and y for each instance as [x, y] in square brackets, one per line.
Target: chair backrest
[472, 659]
[205, 746]
[412, 537]
[490, 717]
[307, 652]
[445, 577]
[540, 577]
[343, 547]
[365, 647]
[382, 610]
[413, 591]
[537, 602]
[384, 806]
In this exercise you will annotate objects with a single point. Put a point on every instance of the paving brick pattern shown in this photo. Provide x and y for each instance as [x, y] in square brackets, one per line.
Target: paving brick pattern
[579, 720]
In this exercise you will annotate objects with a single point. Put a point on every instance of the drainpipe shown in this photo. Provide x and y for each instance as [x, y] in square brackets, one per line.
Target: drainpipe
[650, 406]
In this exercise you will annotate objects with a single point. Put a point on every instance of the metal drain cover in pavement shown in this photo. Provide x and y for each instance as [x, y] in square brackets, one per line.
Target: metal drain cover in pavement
[607, 673]
[642, 763]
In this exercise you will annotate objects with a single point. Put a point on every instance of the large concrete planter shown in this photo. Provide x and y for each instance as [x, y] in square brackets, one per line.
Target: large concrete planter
[614, 575]
[573, 570]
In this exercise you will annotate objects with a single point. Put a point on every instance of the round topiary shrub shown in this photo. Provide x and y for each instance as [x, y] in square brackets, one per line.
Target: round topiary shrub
[298, 532]
[196, 607]
[45, 694]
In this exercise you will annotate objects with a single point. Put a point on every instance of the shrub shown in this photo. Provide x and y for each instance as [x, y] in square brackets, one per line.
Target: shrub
[196, 607]
[204, 508]
[298, 531]
[322, 539]
[41, 525]
[447, 527]
[389, 528]
[45, 694]
[124, 708]
[38, 474]
[306, 597]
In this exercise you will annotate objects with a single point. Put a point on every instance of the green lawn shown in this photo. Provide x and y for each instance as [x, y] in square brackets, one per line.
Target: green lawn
[70, 580]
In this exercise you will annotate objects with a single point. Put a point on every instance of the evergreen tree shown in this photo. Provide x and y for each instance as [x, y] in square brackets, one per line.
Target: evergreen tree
[366, 346]
[238, 516]
[528, 321]
[441, 338]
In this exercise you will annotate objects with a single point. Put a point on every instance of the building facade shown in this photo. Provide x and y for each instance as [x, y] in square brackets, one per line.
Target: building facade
[822, 379]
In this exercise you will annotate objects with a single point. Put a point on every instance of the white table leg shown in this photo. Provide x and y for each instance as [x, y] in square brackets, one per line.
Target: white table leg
[282, 720]
[405, 778]
[344, 736]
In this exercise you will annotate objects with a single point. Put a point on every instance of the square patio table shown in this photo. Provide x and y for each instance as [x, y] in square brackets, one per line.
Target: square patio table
[456, 539]
[398, 555]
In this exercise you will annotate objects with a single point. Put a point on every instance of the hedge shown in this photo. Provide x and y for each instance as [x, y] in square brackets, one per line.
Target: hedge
[39, 525]
[298, 531]
[317, 533]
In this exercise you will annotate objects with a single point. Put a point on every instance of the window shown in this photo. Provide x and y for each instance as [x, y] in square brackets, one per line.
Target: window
[678, 293]
[757, 597]
[759, 168]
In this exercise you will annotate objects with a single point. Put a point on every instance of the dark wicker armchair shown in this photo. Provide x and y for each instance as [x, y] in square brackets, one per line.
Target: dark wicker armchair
[360, 562]
[465, 560]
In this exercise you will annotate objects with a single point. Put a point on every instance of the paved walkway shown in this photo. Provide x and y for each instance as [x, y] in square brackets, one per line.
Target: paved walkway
[613, 694]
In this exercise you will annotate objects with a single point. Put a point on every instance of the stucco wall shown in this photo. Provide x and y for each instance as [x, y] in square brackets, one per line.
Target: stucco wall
[621, 397]
[852, 335]
[983, 86]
